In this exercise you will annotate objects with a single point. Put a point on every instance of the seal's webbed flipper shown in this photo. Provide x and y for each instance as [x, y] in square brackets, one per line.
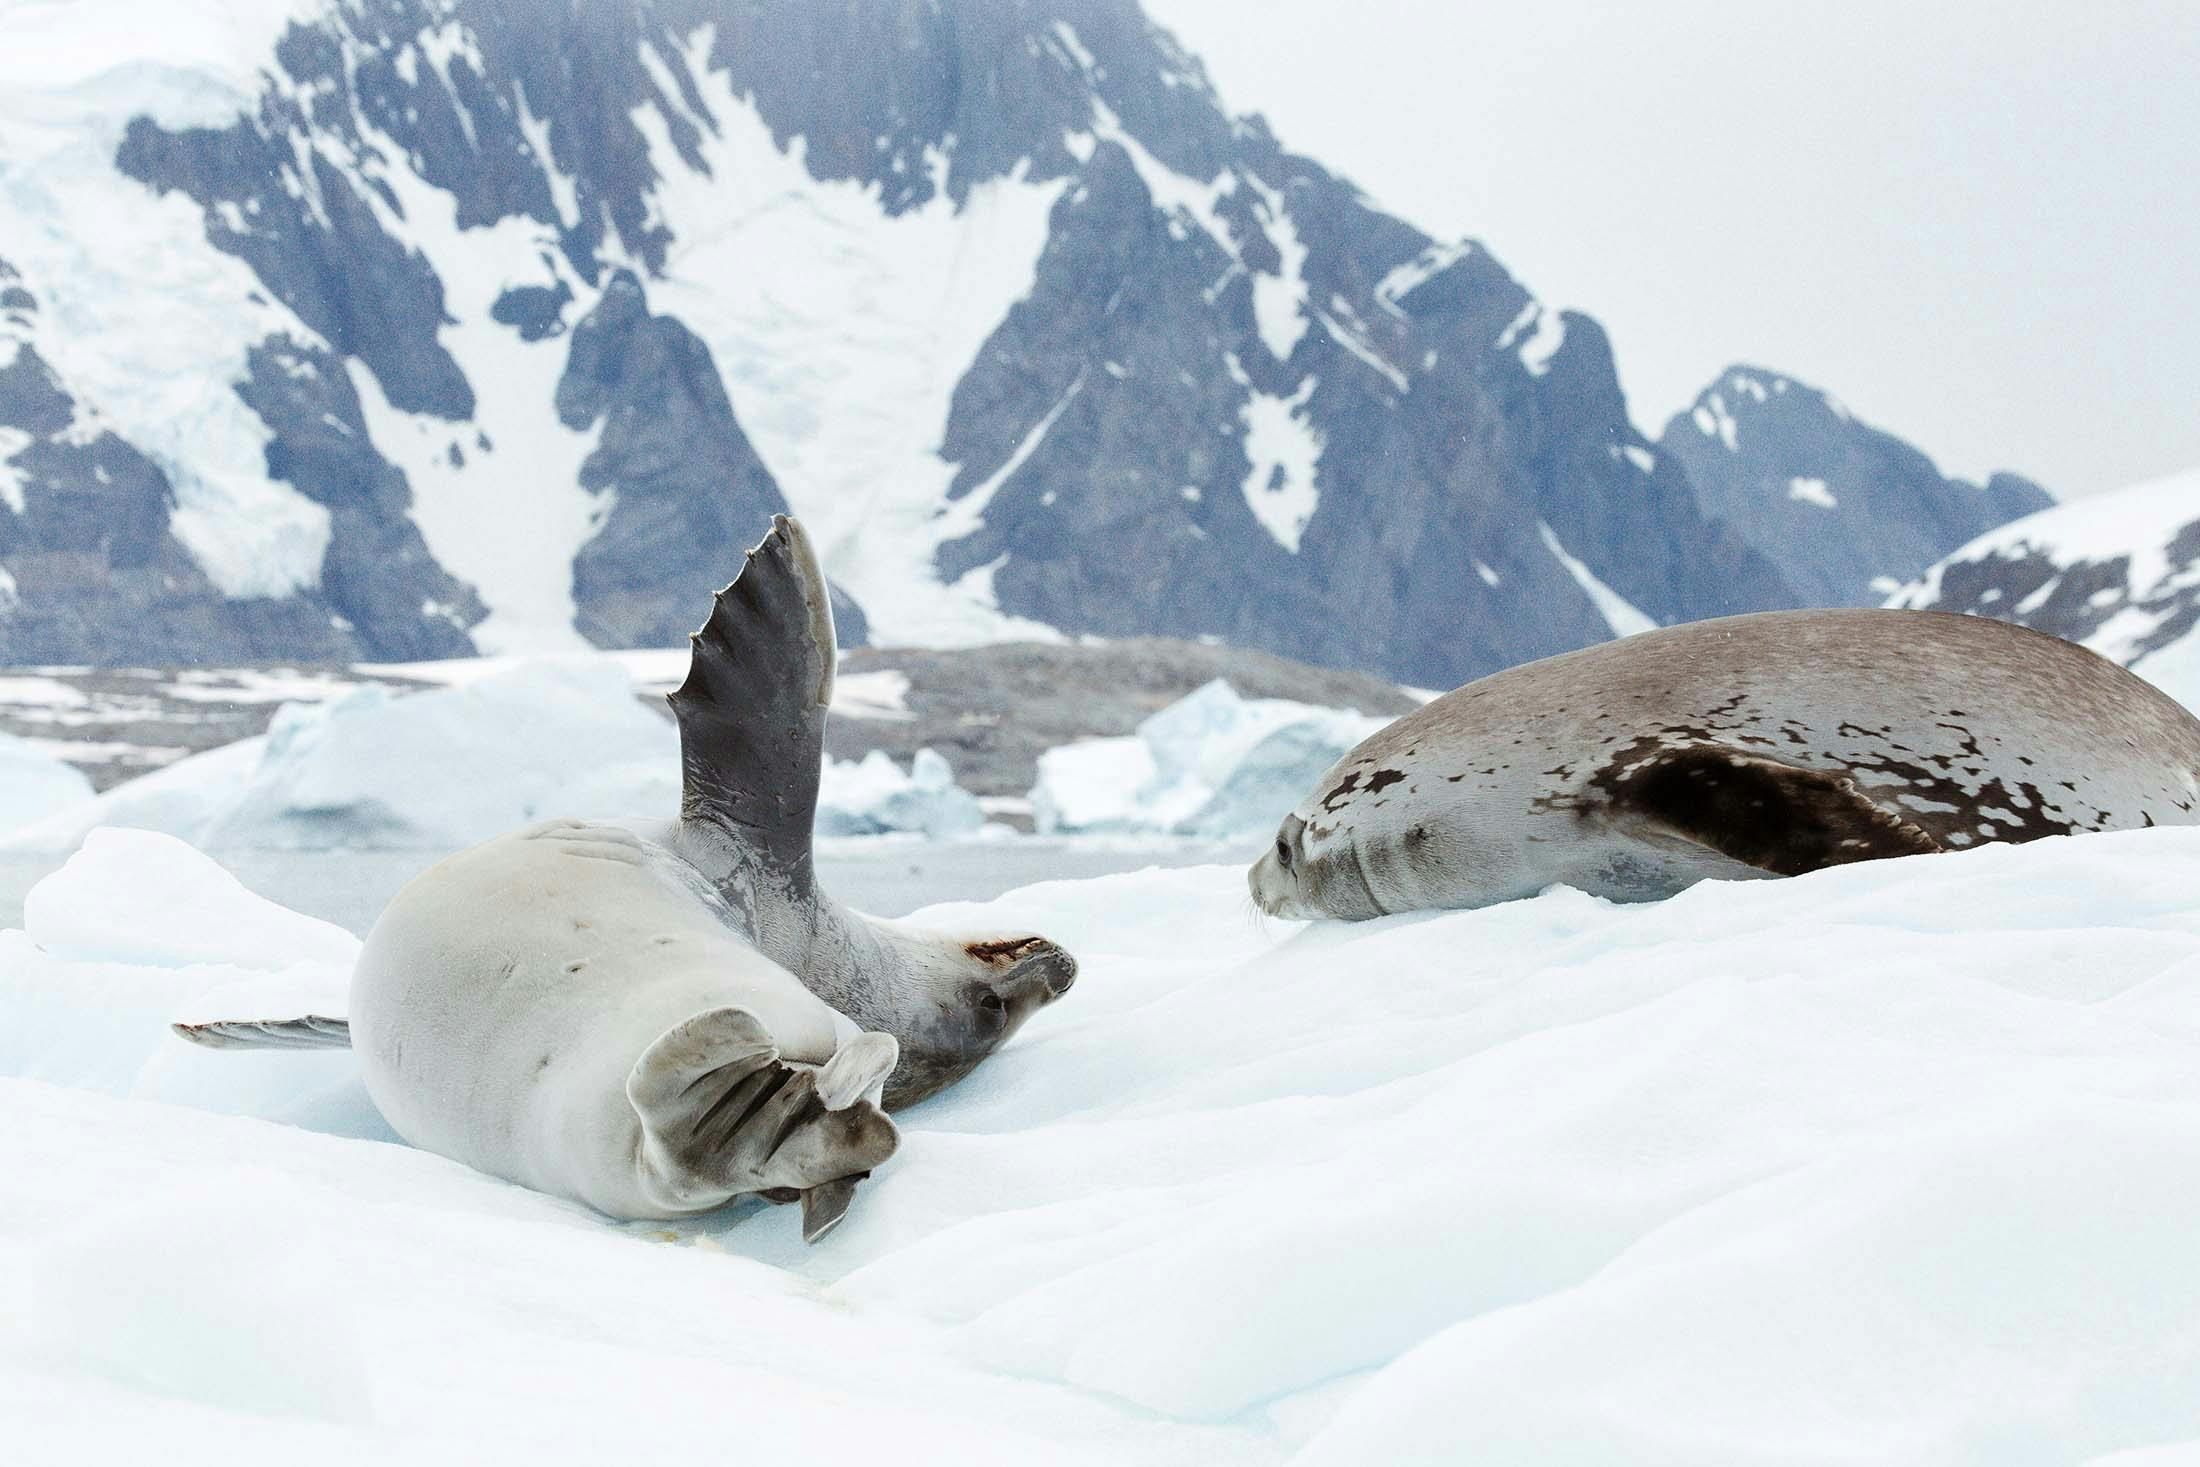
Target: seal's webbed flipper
[752, 710]
[722, 1114]
[1778, 817]
[313, 1031]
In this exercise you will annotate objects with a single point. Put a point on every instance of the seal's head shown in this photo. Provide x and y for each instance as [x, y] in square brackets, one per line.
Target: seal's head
[953, 999]
[1353, 851]
[1304, 876]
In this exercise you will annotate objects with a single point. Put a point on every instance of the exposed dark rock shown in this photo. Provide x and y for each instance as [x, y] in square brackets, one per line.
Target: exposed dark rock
[684, 484]
[1846, 511]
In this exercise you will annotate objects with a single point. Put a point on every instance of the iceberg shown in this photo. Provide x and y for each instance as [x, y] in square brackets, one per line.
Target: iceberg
[875, 796]
[1212, 765]
[439, 770]
[34, 785]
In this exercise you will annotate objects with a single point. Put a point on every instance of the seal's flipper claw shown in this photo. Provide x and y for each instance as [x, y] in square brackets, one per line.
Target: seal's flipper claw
[752, 710]
[311, 1031]
[1778, 817]
[723, 1114]
[691, 1088]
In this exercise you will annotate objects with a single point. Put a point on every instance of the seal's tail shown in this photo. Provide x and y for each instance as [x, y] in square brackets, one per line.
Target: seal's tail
[310, 1032]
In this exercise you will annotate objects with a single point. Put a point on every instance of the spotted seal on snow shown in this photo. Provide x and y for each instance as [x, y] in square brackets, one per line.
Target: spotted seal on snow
[657, 1016]
[1763, 745]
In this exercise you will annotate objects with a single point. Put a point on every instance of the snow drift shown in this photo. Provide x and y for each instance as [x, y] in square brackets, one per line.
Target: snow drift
[447, 768]
[1211, 764]
[1891, 1163]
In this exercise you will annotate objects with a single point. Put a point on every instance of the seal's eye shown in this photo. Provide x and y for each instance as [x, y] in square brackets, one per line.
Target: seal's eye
[991, 1003]
[1283, 853]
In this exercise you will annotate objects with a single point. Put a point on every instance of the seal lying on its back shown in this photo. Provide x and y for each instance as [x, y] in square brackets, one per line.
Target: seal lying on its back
[1762, 745]
[654, 1017]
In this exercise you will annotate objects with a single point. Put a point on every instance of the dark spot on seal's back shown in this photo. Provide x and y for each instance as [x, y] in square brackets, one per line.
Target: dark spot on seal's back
[1344, 789]
[1383, 779]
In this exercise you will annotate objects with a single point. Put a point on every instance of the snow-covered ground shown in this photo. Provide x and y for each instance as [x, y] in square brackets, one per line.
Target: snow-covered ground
[1895, 1163]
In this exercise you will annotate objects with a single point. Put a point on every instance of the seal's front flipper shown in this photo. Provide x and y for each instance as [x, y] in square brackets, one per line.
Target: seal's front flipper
[313, 1031]
[722, 1114]
[1781, 818]
[857, 1069]
[752, 710]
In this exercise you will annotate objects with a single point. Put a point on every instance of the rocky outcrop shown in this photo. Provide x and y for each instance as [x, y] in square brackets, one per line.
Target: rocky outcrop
[1846, 511]
[2119, 572]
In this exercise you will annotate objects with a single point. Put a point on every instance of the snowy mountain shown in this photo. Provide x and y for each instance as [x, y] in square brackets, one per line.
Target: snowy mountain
[1846, 512]
[400, 329]
[2119, 572]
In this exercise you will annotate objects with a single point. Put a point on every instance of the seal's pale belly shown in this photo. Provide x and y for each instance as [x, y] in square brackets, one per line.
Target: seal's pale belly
[504, 997]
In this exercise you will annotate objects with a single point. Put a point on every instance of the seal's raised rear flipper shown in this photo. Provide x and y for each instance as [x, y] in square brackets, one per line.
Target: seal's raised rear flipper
[310, 1032]
[1781, 818]
[752, 710]
[722, 1114]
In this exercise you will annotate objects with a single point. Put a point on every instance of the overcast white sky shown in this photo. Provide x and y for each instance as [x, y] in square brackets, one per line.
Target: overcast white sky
[1976, 223]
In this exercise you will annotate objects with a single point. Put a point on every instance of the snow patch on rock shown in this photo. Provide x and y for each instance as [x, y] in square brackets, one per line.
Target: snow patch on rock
[1622, 615]
[840, 333]
[150, 325]
[1811, 491]
[1284, 449]
[497, 497]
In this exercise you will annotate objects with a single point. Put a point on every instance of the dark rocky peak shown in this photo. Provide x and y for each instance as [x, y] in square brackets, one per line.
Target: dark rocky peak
[682, 482]
[1848, 512]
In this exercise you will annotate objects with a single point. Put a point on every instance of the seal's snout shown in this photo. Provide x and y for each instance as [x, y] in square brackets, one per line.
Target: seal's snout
[1032, 967]
[1059, 970]
[1044, 972]
[1267, 886]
